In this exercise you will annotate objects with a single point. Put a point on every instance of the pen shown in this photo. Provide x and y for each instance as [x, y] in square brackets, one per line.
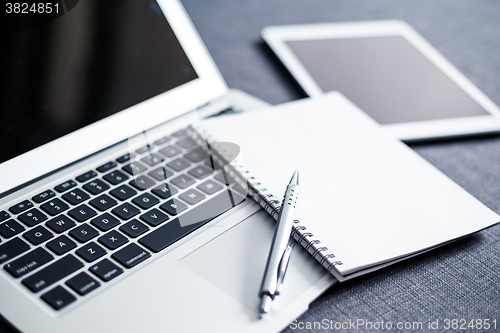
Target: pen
[279, 254]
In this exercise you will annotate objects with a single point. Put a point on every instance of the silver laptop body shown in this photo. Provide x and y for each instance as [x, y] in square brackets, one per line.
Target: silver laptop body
[93, 222]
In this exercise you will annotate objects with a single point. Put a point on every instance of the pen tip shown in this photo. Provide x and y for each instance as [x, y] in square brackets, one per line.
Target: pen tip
[295, 178]
[265, 304]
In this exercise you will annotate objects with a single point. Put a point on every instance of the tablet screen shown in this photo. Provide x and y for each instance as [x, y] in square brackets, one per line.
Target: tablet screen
[386, 77]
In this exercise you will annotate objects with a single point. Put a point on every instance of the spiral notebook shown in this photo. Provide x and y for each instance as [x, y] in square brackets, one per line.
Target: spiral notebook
[367, 200]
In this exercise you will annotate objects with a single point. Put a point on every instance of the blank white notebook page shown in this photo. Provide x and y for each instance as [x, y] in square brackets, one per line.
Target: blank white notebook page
[366, 196]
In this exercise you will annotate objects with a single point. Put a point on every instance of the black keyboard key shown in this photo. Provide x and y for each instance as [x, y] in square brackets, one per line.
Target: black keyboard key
[12, 249]
[196, 155]
[212, 164]
[243, 190]
[152, 159]
[83, 233]
[96, 186]
[154, 217]
[183, 181]
[224, 178]
[82, 284]
[178, 228]
[54, 207]
[32, 217]
[126, 211]
[161, 173]
[162, 141]
[58, 298]
[53, 273]
[45, 195]
[4, 215]
[115, 177]
[209, 187]
[134, 228]
[91, 252]
[200, 171]
[10, 228]
[131, 255]
[142, 182]
[123, 192]
[145, 201]
[29, 262]
[144, 149]
[106, 167]
[38, 235]
[86, 176]
[65, 186]
[105, 222]
[134, 168]
[82, 213]
[192, 196]
[60, 224]
[125, 158]
[170, 151]
[186, 143]
[21, 207]
[75, 196]
[165, 191]
[226, 111]
[178, 164]
[174, 207]
[61, 245]
[103, 202]
[106, 270]
[113, 240]
[179, 133]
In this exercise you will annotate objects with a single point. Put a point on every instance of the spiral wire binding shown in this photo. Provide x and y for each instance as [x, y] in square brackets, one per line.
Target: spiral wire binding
[265, 199]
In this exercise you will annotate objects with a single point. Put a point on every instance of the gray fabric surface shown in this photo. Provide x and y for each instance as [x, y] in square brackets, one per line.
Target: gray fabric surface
[458, 281]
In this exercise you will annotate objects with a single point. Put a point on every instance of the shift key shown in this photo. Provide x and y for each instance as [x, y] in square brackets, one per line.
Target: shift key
[52, 273]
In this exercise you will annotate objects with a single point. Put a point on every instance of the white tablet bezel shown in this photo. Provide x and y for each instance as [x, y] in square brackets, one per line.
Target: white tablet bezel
[278, 36]
[126, 123]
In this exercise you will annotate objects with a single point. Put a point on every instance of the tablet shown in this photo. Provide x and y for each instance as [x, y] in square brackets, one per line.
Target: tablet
[389, 71]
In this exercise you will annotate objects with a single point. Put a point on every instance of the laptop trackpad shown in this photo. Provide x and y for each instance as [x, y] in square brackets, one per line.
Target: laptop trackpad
[234, 262]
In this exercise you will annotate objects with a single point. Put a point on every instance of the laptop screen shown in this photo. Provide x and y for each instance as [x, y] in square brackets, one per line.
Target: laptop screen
[95, 59]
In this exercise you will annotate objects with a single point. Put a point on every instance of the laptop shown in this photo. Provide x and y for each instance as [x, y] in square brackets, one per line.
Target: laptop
[112, 217]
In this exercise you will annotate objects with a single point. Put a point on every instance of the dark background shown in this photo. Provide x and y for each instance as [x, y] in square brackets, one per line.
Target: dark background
[460, 280]
[97, 59]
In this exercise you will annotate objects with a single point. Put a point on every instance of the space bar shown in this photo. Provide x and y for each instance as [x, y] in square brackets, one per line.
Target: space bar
[181, 226]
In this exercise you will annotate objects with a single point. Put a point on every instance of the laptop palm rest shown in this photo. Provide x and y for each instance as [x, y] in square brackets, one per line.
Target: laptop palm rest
[234, 262]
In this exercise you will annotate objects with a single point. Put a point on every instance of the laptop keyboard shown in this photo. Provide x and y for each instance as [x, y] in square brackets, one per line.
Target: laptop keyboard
[66, 241]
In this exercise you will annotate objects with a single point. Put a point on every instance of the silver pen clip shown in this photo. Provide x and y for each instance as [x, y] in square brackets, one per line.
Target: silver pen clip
[282, 268]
